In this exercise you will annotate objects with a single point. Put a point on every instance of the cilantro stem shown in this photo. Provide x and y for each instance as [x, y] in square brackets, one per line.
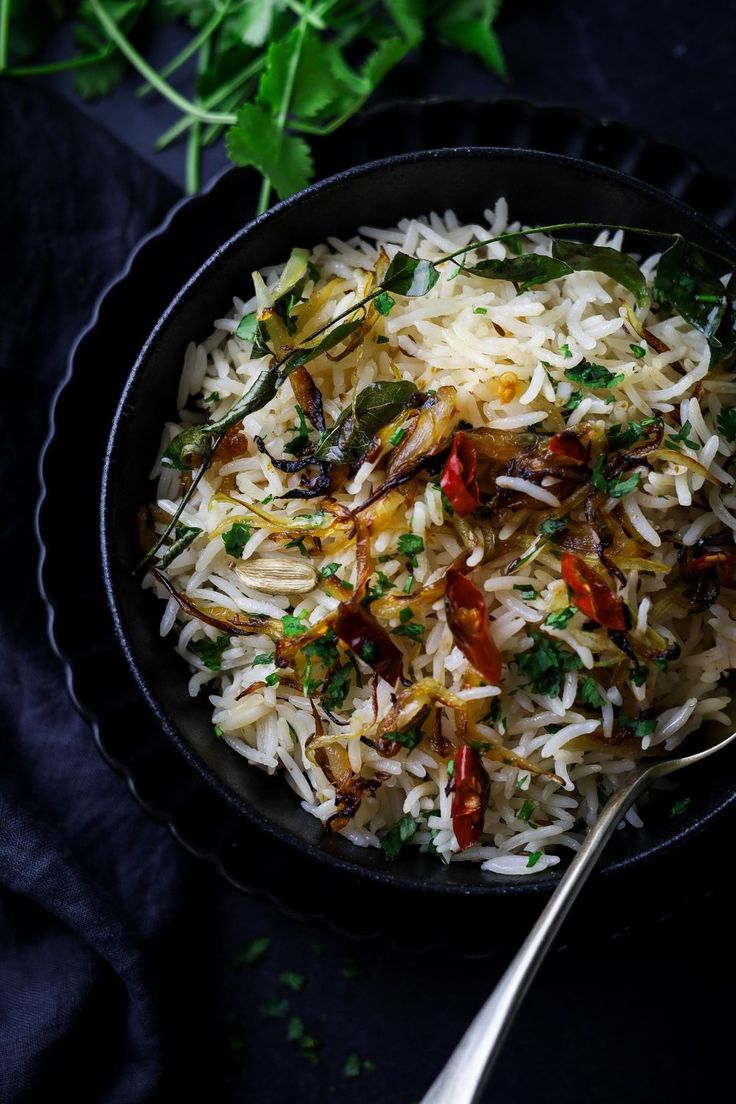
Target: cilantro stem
[60, 66]
[194, 142]
[222, 93]
[4, 33]
[110, 26]
[191, 48]
[288, 89]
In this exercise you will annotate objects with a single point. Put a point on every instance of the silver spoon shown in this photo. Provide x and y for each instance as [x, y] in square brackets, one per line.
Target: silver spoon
[465, 1073]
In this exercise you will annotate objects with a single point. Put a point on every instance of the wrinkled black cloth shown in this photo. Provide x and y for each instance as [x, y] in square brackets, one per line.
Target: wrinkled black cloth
[115, 946]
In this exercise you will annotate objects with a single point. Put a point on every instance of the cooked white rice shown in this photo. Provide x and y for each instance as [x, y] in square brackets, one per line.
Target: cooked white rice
[466, 333]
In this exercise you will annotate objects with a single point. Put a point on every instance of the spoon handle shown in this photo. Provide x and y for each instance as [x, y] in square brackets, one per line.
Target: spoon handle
[466, 1071]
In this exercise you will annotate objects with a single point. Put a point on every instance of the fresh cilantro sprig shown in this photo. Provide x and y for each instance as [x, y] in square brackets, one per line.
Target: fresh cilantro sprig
[273, 74]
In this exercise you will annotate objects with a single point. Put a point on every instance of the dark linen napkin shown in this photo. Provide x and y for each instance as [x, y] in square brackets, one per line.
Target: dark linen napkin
[75, 875]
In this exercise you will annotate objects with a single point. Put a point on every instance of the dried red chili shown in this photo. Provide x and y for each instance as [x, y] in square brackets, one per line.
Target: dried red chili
[568, 446]
[458, 479]
[723, 563]
[468, 621]
[357, 627]
[471, 787]
[591, 595]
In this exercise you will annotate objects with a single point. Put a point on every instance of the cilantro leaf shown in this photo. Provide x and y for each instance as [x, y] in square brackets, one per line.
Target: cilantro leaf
[256, 139]
[726, 423]
[593, 376]
[253, 952]
[545, 664]
[410, 545]
[640, 726]
[623, 436]
[236, 539]
[210, 651]
[403, 831]
[408, 737]
[293, 626]
[551, 526]
[560, 619]
[589, 694]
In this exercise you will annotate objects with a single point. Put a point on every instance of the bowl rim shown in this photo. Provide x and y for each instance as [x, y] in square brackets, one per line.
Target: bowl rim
[391, 873]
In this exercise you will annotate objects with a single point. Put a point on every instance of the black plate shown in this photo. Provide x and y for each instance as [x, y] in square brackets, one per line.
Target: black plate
[163, 781]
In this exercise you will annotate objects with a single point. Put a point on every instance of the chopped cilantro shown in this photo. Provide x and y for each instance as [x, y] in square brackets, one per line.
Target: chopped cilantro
[480, 310]
[384, 303]
[210, 651]
[565, 350]
[726, 423]
[213, 397]
[576, 397]
[400, 833]
[236, 539]
[560, 619]
[623, 436]
[408, 584]
[352, 1066]
[272, 679]
[263, 658]
[274, 1008]
[296, 1029]
[337, 687]
[406, 614]
[397, 436]
[252, 953]
[528, 593]
[308, 1045]
[525, 811]
[293, 626]
[292, 980]
[680, 806]
[219, 734]
[534, 858]
[617, 487]
[329, 569]
[589, 694]
[638, 675]
[409, 546]
[298, 444]
[298, 543]
[545, 664]
[377, 589]
[593, 376]
[408, 738]
[638, 350]
[265, 501]
[681, 438]
[641, 726]
[552, 525]
[381, 340]
[414, 630]
[450, 768]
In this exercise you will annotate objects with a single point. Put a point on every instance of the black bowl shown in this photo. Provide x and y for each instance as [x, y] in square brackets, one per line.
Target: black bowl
[541, 188]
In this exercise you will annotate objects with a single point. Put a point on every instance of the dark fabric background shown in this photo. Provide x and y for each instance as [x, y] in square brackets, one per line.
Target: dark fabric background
[115, 946]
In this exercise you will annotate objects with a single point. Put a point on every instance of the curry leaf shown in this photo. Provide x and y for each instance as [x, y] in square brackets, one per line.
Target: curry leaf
[526, 271]
[410, 276]
[686, 282]
[184, 538]
[601, 258]
[375, 406]
[332, 338]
